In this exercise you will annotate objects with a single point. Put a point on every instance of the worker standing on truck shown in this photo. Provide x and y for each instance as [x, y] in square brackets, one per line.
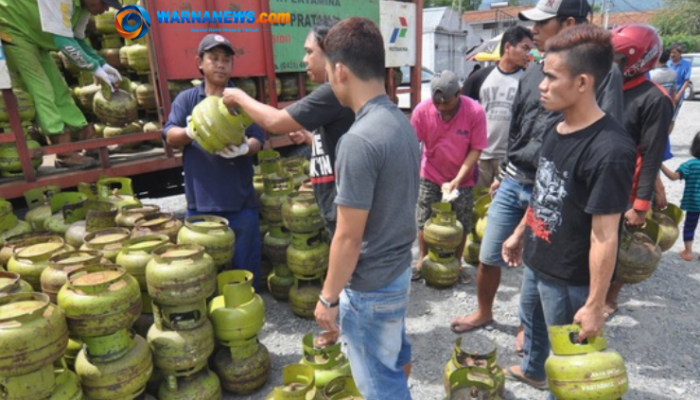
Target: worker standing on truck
[29, 30]
[219, 184]
[319, 112]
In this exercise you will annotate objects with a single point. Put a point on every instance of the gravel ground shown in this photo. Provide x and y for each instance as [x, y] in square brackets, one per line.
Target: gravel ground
[656, 330]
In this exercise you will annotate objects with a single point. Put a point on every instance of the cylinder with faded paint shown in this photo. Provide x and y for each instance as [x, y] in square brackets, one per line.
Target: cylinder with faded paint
[303, 296]
[276, 189]
[211, 232]
[474, 350]
[439, 271]
[328, 362]
[157, 223]
[243, 369]
[181, 353]
[136, 253]
[203, 385]
[56, 274]
[238, 314]
[33, 333]
[584, 371]
[108, 241]
[124, 378]
[300, 213]
[308, 254]
[275, 244]
[129, 214]
[11, 283]
[100, 300]
[31, 257]
[297, 383]
[180, 274]
[280, 281]
[442, 231]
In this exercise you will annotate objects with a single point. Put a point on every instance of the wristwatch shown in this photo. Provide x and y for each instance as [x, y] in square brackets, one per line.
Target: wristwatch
[327, 303]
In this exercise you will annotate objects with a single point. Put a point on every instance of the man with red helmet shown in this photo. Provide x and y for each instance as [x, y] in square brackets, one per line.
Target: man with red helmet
[648, 115]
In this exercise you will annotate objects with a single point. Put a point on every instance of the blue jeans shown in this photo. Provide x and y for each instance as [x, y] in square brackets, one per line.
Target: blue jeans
[543, 304]
[373, 326]
[247, 252]
[505, 212]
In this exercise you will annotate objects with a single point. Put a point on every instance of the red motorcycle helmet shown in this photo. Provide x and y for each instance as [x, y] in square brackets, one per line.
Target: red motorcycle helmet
[639, 45]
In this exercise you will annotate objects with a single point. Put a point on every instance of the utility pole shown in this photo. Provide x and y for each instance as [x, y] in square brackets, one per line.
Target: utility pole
[607, 13]
[459, 12]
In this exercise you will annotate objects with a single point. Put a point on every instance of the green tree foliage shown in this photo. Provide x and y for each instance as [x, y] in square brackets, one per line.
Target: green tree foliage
[467, 5]
[691, 44]
[679, 17]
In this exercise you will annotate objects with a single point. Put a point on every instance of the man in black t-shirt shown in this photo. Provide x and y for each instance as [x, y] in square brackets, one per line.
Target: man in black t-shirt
[648, 116]
[319, 112]
[569, 236]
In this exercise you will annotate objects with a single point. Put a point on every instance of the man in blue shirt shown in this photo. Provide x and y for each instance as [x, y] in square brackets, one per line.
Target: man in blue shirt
[682, 68]
[219, 184]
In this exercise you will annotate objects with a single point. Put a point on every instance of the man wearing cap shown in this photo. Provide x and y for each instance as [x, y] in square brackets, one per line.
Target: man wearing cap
[452, 128]
[219, 184]
[529, 123]
[29, 30]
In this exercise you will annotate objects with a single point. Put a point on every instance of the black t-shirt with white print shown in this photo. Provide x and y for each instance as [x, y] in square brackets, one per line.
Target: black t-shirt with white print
[581, 174]
[322, 113]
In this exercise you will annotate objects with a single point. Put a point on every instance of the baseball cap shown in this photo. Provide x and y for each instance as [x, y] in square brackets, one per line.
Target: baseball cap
[446, 82]
[113, 3]
[546, 9]
[214, 40]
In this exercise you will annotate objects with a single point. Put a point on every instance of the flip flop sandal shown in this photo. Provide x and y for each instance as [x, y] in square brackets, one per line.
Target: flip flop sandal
[464, 277]
[462, 327]
[512, 376]
[416, 275]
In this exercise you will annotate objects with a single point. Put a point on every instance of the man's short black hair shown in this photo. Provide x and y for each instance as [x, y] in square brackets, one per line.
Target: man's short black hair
[358, 44]
[586, 48]
[514, 35]
[320, 30]
[665, 56]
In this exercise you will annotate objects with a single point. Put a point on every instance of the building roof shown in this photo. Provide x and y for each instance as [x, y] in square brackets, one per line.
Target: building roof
[491, 15]
[442, 18]
[615, 19]
[482, 16]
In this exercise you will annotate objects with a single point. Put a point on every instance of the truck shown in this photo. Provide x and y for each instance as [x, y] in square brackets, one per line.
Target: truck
[266, 53]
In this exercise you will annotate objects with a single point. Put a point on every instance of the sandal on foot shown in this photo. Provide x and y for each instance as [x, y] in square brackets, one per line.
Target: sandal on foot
[416, 275]
[512, 376]
[462, 327]
[464, 277]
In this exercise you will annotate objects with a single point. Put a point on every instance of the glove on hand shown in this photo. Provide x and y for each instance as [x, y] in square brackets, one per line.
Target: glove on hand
[232, 151]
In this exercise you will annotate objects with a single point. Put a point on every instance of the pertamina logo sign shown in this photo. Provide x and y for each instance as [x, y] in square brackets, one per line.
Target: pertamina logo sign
[399, 32]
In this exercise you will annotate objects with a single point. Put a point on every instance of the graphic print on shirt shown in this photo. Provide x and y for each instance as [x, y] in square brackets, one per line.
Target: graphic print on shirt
[548, 193]
[320, 167]
[498, 102]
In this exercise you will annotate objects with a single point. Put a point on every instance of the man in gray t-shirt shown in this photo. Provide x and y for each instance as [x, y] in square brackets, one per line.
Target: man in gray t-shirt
[377, 190]
[494, 88]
